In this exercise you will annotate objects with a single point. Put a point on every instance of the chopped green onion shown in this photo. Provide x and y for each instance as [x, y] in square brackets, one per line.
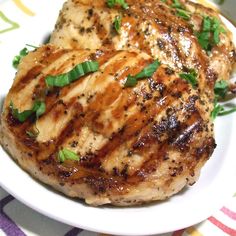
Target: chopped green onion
[227, 112]
[130, 81]
[148, 71]
[38, 109]
[219, 110]
[177, 4]
[77, 72]
[16, 60]
[117, 23]
[61, 156]
[209, 36]
[217, 29]
[190, 76]
[23, 52]
[181, 10]
[221, 89]
[216, 111]
[206, 24]
[203, 39]
[66, 154]
[183, 14]
[122, 3]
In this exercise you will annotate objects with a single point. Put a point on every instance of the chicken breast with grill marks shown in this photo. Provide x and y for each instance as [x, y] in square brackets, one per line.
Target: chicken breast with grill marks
[136, 144]
[155, 27]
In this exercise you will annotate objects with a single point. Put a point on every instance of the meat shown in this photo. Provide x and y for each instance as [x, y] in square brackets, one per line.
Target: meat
[223, 55]
[130, 139]
[154, 27]
[147, 25]
[136, 144]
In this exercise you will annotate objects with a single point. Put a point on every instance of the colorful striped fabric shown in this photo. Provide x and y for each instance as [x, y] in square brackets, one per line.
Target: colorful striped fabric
[17, 219]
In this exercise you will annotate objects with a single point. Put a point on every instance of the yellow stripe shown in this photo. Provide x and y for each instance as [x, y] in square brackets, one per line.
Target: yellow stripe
[193, 232]
[23, 8]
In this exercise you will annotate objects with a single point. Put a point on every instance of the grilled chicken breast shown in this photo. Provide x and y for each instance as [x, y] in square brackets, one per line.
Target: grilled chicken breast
[136, 144]
[164, 30]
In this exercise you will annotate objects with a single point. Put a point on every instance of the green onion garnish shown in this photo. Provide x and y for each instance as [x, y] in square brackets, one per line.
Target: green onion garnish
[190, 76]
[227, 112]
[147, 72]
[122, 3]
[220, 110]
[67, 78]
[221, 89]
[23, 52]
[38, 109]
[217, 109]
[209, 36]
[16, 60]
[177, 4]
[130, 81]
[183, 14]
[117, 23]
[181, 10]
[66, 154]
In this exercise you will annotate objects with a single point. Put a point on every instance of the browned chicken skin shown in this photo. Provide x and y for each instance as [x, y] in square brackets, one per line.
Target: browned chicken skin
[136, 144]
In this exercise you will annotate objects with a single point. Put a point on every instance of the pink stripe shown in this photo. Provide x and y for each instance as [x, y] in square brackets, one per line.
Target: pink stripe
[178, 233]
[229, 213]
[223, 227]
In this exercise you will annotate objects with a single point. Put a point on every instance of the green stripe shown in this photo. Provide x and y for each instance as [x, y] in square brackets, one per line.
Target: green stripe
[13, 24]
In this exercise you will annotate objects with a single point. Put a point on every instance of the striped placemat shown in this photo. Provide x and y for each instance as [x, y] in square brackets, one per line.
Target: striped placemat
[16, 219]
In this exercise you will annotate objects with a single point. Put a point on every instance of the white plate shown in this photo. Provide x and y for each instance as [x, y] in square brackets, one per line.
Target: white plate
[189, 207]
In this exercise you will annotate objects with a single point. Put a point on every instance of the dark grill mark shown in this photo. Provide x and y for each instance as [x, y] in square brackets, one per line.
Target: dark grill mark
[30, 75]
[183, 140]
[100, 29]
[49, 56]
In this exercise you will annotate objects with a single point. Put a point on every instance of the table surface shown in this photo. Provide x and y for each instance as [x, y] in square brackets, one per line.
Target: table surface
[16, 219]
